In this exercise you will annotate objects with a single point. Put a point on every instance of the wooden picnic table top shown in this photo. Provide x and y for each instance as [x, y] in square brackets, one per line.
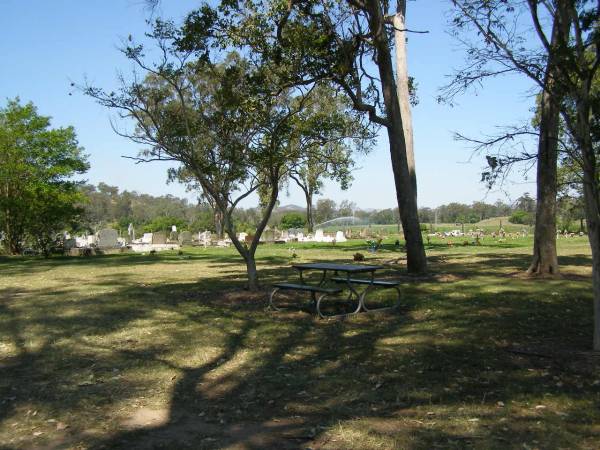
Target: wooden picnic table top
[351, 268]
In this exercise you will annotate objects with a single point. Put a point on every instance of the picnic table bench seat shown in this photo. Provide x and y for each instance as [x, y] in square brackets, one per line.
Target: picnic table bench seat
[373, 284]
[379, 283]
[314, 290]
[306, 287]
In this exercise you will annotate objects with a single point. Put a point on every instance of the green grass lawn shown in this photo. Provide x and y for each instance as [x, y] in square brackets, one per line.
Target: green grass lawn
[169, 351]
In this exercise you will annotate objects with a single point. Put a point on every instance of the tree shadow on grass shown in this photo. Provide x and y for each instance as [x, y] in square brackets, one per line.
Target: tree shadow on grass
[235, 376]
[218, 258]
[288, 396]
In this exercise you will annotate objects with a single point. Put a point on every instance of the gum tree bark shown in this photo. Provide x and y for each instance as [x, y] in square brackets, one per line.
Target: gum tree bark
[545, 259]
[401, 154]
[248, 253]
[310, 221]
[591, 197]
[218, 215]
[399, 23]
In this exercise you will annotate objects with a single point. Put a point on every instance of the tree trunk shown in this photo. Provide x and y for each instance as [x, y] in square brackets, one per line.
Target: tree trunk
[310, 221]
[399, 22]
[248, 253]
[594, 237]
[592, 212]
[545, 260]
[402, 166]
[245, 253]
[218, 223]
[252, 273]
[591, 198]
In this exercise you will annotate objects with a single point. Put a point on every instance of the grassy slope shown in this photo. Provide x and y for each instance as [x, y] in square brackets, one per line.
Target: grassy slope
[167, 351]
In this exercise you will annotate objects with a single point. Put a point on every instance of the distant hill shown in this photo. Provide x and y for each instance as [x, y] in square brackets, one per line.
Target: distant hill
[290, 208]
[494, 222]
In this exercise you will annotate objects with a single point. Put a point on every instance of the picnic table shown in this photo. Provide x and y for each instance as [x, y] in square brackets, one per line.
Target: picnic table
[345, 281]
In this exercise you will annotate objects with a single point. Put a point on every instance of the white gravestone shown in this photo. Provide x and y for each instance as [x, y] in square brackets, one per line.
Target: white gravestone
[205, 238]
[339, 237]
[130, 232]
[319, 237]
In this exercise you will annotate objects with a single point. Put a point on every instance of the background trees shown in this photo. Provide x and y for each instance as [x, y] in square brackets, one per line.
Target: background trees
[292, 220]
[325, 210]
[150, 213]
[38, 196]
[331, 159]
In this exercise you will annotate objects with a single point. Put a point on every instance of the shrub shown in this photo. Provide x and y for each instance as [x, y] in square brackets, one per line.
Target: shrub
[292, 220]
[522, 218]
[359, 257]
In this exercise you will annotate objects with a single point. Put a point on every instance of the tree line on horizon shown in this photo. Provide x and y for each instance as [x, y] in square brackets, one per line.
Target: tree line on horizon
[107, 206]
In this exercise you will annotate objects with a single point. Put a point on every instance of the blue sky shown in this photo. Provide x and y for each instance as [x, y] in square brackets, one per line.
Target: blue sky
[48, 44]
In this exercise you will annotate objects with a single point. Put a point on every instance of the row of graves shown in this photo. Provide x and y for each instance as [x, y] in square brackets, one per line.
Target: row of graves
[273, 236]
[476, 237]
[479, 233]
[295, 235]
[110, 240]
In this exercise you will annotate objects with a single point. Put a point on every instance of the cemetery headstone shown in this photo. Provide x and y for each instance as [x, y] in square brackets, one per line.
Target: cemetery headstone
[339, 237]
[319, 236]
[70, 243]
[159, 238]
[107, 238]
[147, 238]
[268, 236]
[205, 238]
[130, 233]
[185, 238]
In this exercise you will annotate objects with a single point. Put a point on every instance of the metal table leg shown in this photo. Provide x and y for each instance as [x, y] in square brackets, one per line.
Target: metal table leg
[271, 305]
[370, 288]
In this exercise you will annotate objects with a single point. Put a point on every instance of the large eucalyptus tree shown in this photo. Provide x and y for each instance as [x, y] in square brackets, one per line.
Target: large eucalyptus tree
[348, 43]
[562, 58]
[227, 125]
